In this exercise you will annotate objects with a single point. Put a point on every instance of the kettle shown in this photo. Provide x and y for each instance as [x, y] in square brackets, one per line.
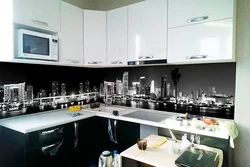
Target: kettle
[105, 159]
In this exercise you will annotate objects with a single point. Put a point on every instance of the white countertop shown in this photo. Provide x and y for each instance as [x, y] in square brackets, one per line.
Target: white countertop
[161, 156]
[38, 121]
[34, 122]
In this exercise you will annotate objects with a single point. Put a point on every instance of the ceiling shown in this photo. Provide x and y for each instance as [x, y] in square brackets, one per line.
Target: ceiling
[101, 4]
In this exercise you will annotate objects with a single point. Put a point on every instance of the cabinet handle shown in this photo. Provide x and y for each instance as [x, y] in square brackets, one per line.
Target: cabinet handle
[115, 138]
[146, 57]
[50, 148]
[73, 61]
[95, 62]
[197, 19]
[197, 57]
[39, 22]
[116, 62]
[56, 130]
[76, 134]
[112, 136]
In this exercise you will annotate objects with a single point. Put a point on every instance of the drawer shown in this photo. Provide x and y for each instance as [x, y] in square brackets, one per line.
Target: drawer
[43, 137]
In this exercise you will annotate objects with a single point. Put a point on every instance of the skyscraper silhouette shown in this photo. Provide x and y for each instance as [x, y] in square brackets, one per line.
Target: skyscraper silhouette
[125, 82]
[81, 91]
[142, 85]
[63, 89]
[55, 90]
[164, 86]
[168, 89]
[119, 87]
[87, 86]
[152, 87]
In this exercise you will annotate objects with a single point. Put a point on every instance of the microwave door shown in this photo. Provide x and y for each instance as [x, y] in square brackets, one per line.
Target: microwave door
[36, 47]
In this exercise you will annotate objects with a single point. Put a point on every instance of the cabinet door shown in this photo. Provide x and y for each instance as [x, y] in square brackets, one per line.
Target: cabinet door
[201, 42]
[43, 14]
[117, 36]
[185, 12]
[71, 42]
[94, 37]
[147, 30]
[6, 31]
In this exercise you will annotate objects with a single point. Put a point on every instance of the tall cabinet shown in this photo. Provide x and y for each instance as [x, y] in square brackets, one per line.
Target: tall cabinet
[147, 30]
[94, 36]
[71, 43]
[117, 36]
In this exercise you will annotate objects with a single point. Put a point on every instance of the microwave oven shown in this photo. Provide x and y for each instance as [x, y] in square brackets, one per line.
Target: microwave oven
[36, 45]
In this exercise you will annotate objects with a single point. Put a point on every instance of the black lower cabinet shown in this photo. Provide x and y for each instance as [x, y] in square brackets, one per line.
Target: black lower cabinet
[76, 144]
[47, 147]
[127, 134]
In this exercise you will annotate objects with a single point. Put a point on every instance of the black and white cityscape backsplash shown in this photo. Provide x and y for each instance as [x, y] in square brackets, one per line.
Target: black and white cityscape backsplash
[201, 89]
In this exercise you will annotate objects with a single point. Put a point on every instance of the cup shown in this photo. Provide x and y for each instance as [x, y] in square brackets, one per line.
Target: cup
[194, 123]
[142, 144]
[225, 126]
[184, 122]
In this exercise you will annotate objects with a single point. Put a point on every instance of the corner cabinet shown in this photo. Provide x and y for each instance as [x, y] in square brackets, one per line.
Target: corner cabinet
[117, 36]
[43, 14]
[147, 30]
[95, 38]
[71, 43]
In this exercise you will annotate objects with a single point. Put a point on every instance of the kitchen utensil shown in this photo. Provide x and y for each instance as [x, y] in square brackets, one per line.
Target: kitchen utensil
[97, 104]
[105, 159]
[115, 112]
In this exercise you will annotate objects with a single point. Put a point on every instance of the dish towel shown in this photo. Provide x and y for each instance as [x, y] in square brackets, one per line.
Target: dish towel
[230, 128]
[233, 133]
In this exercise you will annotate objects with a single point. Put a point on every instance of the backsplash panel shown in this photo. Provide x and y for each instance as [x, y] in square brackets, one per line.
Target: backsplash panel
[203, 89]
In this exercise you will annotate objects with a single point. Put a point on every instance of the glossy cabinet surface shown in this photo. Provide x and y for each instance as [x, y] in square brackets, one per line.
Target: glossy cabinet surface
[181, 12]
[43, 14]
[6, 31]
[117, 36]
[94, 36]
[71, 43]
[147, 30]
[201, 42]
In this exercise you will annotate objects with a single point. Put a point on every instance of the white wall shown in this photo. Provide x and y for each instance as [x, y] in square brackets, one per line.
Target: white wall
[242, 96]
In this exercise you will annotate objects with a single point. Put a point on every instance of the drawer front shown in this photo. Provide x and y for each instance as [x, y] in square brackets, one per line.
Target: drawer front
[43, 137]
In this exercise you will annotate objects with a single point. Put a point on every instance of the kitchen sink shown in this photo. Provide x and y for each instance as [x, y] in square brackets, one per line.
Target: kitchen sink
[149, 116]
[110, 109]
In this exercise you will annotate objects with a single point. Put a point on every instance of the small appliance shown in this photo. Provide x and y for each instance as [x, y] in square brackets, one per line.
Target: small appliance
[105, 159]
[36, 45]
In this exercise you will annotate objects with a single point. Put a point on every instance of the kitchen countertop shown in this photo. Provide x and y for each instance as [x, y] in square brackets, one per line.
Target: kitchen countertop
[38, 121]
[34, 122]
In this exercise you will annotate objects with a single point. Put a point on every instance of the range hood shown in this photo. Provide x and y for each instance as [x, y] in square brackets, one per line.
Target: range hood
[145, 61]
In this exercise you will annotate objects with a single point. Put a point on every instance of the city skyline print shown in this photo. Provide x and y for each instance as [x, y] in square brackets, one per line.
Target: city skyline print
[203, 89]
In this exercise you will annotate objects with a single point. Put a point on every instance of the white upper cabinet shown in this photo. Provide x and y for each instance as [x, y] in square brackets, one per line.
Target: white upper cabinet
[147, 30]
[117, 36]
[185, 12]
[6, 31]
[44, 14]
[71, 43]
[95, 38]
[201, 42]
